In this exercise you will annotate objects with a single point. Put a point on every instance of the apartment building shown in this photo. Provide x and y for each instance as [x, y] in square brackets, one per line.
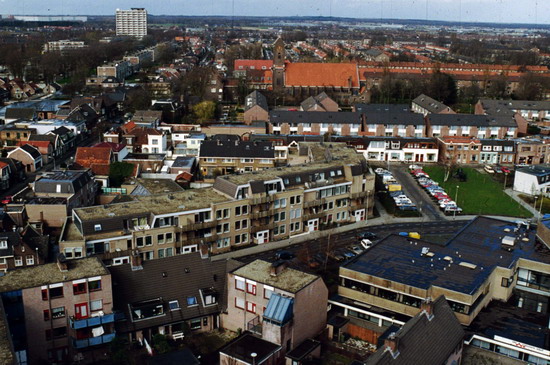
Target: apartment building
[488, 260]
[532, 151]
[119, 69]
[60, 311]
[22, 249]
[459, 149]
[230, 156]
[281, 305]
[478, 126]
[331, 186]
[312, 122]
[63, 45]
[131, 22]
[176, 296]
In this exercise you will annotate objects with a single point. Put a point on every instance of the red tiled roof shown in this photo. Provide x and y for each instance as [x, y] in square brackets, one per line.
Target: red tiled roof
[100, 169]
[115, 147]
[88, 156]
[2, 165]
[321, 74]
[127, 128]
[43, 144]
[249, 64]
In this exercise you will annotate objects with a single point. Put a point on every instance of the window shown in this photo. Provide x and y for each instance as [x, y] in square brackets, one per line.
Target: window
[169, 237]
[195, 324]
[209, 299]
[3, 244]
[251, 307]
[251, 288]
[267, 292]
[94, 285]
[160, 238]
[46, 315]
[58, 312]
[56, 333]
[239, 284]
[174, 305]
[239, 303]
[44, 294]
[191, 301]
[96, 305]
[79, 288]
[56, 292]
[97, 227]
[18, 260]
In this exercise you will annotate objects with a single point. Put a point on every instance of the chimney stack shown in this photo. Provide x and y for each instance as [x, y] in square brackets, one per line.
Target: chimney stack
[62, 263]
[277, 267]
[427, 306]
[391, 342]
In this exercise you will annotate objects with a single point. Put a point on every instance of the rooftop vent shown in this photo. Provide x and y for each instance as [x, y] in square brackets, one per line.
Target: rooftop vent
[448, 258]
[468, 265]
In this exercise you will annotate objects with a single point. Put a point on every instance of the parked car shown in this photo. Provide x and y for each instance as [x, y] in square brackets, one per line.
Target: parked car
[336, 256]
[7, 199]
[505, 170]
[414, 235]
[366, 235]
[356, 249]
[489, 169]
[313, 263]
[366, 243]
[284, 255]
[348, 254]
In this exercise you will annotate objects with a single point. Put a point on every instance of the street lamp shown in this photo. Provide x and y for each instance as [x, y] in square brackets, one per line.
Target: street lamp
[456, 201]
[253, 355]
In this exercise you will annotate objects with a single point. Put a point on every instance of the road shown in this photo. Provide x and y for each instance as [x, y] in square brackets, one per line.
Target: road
[416, 193]
[319, 247]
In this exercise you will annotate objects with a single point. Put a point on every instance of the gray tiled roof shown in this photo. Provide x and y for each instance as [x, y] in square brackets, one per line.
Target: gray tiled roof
[173, 278]
[423, 340]
[256, 98]
[430, 104]
[285, 116]
[236, 149]
[472, 120]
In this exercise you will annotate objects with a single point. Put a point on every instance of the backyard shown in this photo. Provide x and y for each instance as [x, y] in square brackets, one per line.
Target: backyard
[479, 195]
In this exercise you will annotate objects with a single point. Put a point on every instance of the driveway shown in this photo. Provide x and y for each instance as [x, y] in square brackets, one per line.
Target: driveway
[416, 193]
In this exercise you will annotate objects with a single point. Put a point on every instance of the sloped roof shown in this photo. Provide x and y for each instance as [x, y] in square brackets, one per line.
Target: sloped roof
[31, 150]
[423, 339]
[256, 98]
[172, 278]
[115, 147]
[237, 149]
[20, 113]
[321, 74]
[87, 156]
[430, 104]
[253, 64]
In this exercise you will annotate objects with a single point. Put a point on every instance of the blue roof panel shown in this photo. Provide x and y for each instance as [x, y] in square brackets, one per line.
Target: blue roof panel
[279, 309]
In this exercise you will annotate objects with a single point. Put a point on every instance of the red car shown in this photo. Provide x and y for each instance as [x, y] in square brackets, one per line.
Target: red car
[506, 170]
[7, 199]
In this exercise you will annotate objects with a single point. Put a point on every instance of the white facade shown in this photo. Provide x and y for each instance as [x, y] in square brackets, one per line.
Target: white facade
[384, 151]
[526, 181]
[155, 144]
[131, 22]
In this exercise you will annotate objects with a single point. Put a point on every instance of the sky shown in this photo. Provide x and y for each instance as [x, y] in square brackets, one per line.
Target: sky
[501, 11]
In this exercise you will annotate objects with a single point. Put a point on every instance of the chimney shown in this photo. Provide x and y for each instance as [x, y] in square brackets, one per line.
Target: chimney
[62, 263]
[391, 343]
[427, 306]
[277, 267]
[135, 261]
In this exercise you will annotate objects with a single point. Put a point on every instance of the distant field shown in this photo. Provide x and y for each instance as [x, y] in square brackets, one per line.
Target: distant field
[480, 195]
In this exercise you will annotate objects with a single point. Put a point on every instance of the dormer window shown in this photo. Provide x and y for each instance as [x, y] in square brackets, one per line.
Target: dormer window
[3, 244]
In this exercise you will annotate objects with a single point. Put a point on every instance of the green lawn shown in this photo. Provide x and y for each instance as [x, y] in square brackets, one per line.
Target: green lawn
[479, 195]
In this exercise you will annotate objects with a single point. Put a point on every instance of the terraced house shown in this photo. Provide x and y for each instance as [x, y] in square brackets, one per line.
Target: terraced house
[333, 185]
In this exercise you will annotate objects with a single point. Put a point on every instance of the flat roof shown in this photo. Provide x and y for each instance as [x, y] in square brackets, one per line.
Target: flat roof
[30, 277]
[288, 279]
[508, 321]
[400, 259]
[155, 204]
[243, 347]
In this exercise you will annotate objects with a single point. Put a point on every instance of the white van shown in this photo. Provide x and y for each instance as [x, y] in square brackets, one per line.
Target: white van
[366, 243]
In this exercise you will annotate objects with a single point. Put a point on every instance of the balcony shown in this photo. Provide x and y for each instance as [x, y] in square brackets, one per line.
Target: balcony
[93, 341]
[314, 203]
[261, 200]
[313, 216]
[264, 227]
[361, 194]
[92, 321]
[197, 226]
[261, 214]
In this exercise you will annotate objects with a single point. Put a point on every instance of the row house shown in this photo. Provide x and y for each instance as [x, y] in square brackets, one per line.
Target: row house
[394, 124]
[497, 151]
[425, 105]
[274, 302]
[504, 108]
[297, 122]
[285, 144]
[333, 186]
[12, 135]
[528, 109]
[60, 311]
[532, 151]
[398, 149]
[223, 157]
[29, 156]
[470, 125]
[469, 150]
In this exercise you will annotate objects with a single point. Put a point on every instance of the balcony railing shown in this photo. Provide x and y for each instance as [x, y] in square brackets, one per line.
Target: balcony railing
[314, 203]
[313, 216]
[361, 194]
[263, 227]
[261, 214]
[261, 200]
[197, 226]
[92, 321]
[93, 341]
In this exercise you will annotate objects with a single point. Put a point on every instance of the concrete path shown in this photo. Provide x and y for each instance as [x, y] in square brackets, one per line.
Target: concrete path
[529, 207]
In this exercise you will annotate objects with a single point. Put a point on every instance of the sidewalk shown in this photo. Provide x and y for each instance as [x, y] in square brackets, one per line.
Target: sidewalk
[529, 207]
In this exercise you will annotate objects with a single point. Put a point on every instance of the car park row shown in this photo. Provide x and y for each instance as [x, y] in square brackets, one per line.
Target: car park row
[436, 192]
[394, 189]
